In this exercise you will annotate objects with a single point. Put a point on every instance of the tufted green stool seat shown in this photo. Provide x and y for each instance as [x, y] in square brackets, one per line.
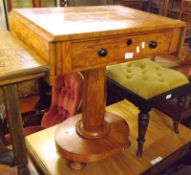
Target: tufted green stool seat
[146, 84]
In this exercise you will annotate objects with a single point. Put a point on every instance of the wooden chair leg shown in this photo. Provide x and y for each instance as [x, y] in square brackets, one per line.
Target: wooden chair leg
[44, 101]
[181, 103]
[189, 123]
[175, 126]
[153, 58]
[142, 128]
[6, 155]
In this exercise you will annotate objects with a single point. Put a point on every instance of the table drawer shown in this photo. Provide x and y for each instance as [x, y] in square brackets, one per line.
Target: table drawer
[90, 54]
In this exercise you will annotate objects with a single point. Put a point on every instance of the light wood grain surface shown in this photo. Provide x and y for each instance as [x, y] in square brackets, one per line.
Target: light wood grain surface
[17, 61]
[85, 22]
[160, 141]
[69, 38]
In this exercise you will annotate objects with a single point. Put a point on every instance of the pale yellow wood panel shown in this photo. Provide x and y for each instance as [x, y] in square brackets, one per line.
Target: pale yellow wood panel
[17, 61]
[35, 39]
[95, 21]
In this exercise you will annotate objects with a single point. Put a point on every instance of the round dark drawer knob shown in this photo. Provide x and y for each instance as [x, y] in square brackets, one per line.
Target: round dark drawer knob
[153, 44]
[129, 41]
[102, 52]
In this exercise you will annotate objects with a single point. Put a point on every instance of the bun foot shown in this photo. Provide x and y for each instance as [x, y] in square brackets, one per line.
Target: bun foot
[76, 165]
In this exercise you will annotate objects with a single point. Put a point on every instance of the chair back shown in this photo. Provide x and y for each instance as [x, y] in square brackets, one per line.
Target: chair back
[66, 99]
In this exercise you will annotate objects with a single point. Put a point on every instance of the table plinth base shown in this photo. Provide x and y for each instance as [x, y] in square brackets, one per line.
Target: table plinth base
[92, 134]
[75, 148]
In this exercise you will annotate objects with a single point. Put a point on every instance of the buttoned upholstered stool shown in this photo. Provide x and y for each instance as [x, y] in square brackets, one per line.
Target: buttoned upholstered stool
[146, 84]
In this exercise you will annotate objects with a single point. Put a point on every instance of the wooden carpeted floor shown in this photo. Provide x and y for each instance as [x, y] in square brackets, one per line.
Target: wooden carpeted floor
[27, 104]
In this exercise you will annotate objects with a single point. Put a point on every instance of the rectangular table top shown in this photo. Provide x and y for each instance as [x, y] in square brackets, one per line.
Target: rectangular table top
[17, 61]
[94, 21]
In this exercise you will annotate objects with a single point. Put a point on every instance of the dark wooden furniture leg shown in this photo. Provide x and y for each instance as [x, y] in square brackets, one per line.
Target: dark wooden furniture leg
[189, 124]
[15, 126]
[36, 3]
[143, 122]
[175, 126]
[44, 101]
[180, 103]
[149, 5]
[164, 10]
[6, 155]
[9, 5]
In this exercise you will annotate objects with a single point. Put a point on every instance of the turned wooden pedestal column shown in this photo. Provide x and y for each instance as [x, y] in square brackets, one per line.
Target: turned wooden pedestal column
[94, 134]
[92, 124]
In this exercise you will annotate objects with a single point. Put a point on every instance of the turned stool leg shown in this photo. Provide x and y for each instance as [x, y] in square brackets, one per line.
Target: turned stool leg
[181, 103]
[175, 126]
[142, 128]
[189, 124]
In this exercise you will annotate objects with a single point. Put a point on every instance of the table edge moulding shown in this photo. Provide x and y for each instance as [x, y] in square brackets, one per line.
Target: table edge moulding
[88, 39]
